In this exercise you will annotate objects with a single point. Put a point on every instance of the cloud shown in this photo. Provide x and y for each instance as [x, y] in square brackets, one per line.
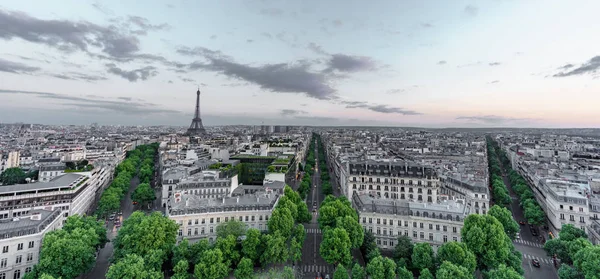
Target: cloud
[350, 64]
[170, 81]
[145, 25]
[266, 35]
[125, 98]
[316, 48]
[187, 80]
[337, 23]
[296, 77]
[566, 67]
[289, 112]
[589, 67]
[395, 91]
[249, 41]
[16, 68]
[426, 25]
[491, 119]
[271, 12]
[78, 76]
[108, 105]
[441, 62]
[494, 63]
[379, 108]
[103, 9]
[213, 37]
[469, 65]
[494, 81]
[133, 75]
[471, 10]
[67, 35]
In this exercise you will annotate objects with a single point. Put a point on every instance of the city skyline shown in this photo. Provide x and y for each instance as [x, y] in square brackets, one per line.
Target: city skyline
[428, 64]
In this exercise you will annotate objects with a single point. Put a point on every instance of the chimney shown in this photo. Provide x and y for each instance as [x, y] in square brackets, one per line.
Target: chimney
[237, 200]
[187, 202]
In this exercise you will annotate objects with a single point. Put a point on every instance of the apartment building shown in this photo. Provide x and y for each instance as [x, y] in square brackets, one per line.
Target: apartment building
[394, 179]
[204, 183]
[9, 160]
[387, 219]
[459, 186]
[198, 217]
[21, 240]
[565, 203]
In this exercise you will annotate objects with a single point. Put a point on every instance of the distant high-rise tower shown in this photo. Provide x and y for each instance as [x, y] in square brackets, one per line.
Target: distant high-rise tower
[196, 129]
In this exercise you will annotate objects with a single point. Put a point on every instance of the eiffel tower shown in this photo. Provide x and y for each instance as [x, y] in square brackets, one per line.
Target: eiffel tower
[196, 129]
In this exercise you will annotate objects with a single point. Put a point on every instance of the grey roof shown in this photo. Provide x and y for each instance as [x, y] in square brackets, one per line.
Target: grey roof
[25, 225]
[278, 185]
[63, 181]
[188, 203]
[53, 167]
[366, 203]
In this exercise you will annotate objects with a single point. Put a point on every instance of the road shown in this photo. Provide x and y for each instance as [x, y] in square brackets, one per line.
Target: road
[312, 263]
[127, 207]
[530, 246]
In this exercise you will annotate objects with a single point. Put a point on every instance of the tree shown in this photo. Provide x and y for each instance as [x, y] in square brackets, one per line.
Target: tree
[68, 254]
[251, 246]
[275, 248]
[245, 269]
[404, 248]
[404, 273]
[422, 256]
[380, 268]
[448, 270]
[569, 232]
[457, 253]
[211, 265]
[353, 228]
[295, 250]
[143, 194]
[568, 272]
[335, 247]
[46, 276]
[228, 248]
[110, 201]
[533, 212]
[504, 216]
[485, 237]
[560, 248]
[142, 234]
[425, 274]
[12, 176]
[369, 247]
[181, 270]
[231, 227]
[503, 272]
[285, 202]
[332, 208]
[197, 249]
[358, 272]
[299, 233]
[304, 215]
[182, 252]
[87, 222]
[340, 272]
[281, 220]
[131, 266]
[587, 261]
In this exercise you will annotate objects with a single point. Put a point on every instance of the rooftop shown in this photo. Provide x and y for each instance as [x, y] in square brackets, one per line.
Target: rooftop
[367, 203]
[188, 203]
[64, 181]
[33, 224]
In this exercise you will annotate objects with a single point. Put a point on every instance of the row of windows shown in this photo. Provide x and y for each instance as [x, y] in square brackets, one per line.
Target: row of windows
[18, 260]
[392, 181]
[415, 235]
[212, 220]
[419, 214]
[393, 188]
[16, 273]
[19, 246]
[211, 230]
[572, 218]
[414, 225]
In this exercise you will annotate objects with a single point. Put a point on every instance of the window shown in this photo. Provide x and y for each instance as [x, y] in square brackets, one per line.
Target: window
[31, 244]
[189, 232]
[218, 219]
[246, 218]
[562, 216]
[5, 249]
[414, 224]
[571, 218]
[27, 270]
[445, 238]
[211, 230]
[19, 259]
[454, 238]
[3, 262]
[445, 228]
[415, 234]
[378, 231]
[582, 219]
[430, 236]
[196, 222]
[431, 226]
[212, 220]
[454, 229]
[260, 218]
[437, 227]
[189, 222]
[391, 222]
[422, 235]
[421, 225]
[29, 257]
[3, 275]
[406, 223]
[180, 232]
[19, 246]
[370, 220]
[405, 232]
[17, 274]
[252, 219]
[195, 231]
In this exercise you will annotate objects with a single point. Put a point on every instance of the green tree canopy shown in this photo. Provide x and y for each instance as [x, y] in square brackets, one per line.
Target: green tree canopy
[504, 216]
[132, 266]
[68, 254]
[457, 253]
[251, 246]
[358, 272]
[422, 256]
[13, 176]
[503, 272]
[281, 220]
[569, 232]
[353, 228]
[181, 270]
[381, 268]
[448, 270]
[425, 274]
[332, 208]
[340, 272]
[275, 248]
[587, 261]
[568, 272]
[245, 269]
[335, 247]
[485, 237]
[74, 222]
[232, 227]
[404, 273]
[404, 248]
[143, 194]
[211, 265]
[228, 246]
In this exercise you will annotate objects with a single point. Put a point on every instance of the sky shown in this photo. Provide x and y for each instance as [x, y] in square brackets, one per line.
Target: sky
[487, 63]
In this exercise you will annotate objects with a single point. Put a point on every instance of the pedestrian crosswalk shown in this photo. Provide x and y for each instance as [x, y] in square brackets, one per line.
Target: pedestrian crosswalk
[317, 268]
[528, 243]
[313, 230]
[528, 257]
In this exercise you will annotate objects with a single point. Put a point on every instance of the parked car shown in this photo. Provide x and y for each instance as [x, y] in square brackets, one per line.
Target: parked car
[111, 217]
[517, 236]
[535, 263]
[522, 223]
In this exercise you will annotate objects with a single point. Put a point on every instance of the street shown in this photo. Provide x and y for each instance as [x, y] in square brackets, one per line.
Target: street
[530, 246]
[312, 263]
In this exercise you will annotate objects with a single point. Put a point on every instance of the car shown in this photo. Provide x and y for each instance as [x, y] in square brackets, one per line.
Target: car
[522, 223]
[535, 263]
[135, 203]
[314, 203]
[517, 236]
[314, 210]
[327, 276]
[534, 232]
[319, 276]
